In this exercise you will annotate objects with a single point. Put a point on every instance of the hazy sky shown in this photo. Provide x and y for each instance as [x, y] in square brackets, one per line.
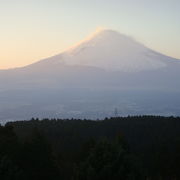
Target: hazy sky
[34, 29]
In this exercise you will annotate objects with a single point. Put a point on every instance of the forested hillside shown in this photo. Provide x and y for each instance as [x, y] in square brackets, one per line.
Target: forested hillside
[138, 147]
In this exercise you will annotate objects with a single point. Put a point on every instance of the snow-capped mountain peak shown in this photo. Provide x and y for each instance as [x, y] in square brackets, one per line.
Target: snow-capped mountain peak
[110, 50]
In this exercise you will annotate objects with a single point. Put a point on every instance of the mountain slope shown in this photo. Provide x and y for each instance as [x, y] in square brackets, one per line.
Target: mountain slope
[89, 80]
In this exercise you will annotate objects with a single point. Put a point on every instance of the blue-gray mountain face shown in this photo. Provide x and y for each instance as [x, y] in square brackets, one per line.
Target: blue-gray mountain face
[105, 72]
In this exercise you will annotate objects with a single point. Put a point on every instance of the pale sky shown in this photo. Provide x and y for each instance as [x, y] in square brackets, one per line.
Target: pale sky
[31, 30]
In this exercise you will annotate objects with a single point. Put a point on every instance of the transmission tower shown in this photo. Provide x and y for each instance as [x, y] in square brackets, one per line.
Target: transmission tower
[116, 112]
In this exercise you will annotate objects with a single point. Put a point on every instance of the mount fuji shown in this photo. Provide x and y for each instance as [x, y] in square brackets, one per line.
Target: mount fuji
[111, 51]
[105, 71]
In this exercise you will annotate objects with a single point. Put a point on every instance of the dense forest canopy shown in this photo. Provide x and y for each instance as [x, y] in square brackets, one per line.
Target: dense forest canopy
[138, 147]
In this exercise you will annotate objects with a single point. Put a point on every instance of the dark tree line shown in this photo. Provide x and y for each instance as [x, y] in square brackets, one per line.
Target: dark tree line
[127, 148]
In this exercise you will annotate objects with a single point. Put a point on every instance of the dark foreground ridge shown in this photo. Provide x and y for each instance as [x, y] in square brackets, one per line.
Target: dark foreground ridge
[127, 148]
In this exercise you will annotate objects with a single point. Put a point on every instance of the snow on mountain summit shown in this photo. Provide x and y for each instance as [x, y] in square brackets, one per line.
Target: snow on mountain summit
[113, 51]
